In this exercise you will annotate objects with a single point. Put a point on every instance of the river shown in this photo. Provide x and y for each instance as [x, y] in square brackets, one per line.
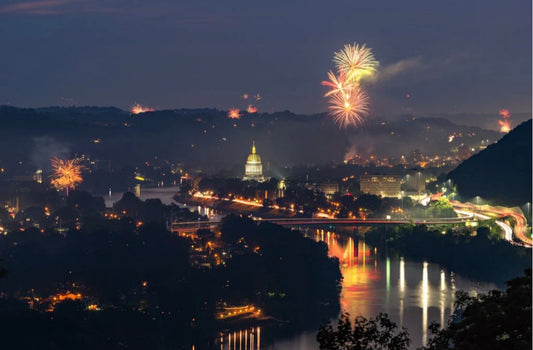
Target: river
[413, 293]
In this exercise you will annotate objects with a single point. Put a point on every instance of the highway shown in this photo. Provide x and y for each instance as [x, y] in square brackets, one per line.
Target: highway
[485, 212]
[466, 212]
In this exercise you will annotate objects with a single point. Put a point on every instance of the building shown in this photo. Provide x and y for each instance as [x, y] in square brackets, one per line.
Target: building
[329, 188]
[381, 185]
[415, 182]
[253, 169]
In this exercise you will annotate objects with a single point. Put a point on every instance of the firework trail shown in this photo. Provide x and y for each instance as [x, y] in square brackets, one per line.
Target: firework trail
[138, 108]
[245, 96]
[251, 109]
[258, 97]
[234, 113]
[337, 84]
[505, 124]
[349, 109]
[67, 173]
[355, 62]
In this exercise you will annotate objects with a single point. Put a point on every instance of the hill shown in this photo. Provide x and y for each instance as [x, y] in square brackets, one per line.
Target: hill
[501, 172]
[207, 139]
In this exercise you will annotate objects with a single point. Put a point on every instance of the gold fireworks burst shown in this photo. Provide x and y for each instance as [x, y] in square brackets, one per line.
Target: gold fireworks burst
[67, 173]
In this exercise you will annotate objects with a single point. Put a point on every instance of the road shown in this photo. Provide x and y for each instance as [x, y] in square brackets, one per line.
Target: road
[485, 212]
[466, 211]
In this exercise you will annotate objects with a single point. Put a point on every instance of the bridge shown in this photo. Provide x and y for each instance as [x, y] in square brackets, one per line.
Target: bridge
[323, 222]
[466, 211]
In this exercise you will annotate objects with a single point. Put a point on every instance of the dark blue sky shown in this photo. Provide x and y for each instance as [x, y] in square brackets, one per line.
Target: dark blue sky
[451, 56]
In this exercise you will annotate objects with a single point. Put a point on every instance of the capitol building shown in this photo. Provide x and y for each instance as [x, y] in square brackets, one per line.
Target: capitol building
[253, 170]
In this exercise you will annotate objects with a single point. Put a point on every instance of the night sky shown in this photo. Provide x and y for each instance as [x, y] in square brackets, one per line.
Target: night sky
[450, 56]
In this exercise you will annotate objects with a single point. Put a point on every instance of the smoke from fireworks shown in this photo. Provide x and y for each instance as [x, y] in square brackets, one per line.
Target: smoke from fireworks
[348, 103]
[138, 108]
[67, 173]
[234, 113]
[505, 124]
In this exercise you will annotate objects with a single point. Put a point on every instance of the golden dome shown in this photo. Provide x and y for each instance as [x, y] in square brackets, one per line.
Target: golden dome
[253, 157]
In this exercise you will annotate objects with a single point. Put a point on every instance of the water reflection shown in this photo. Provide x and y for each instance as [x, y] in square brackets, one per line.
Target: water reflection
[442, 299]
[414, 294]
[424, 296]
[244, 339]
[401, 285]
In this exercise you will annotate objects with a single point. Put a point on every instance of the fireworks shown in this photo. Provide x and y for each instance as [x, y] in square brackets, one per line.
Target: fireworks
[348, 103]
[355, 62]
[337, 84]
[234, 113]
[349, 109]
[505, 124]
[67, 173]
[138, 108]
[505, 113]
[251, 109]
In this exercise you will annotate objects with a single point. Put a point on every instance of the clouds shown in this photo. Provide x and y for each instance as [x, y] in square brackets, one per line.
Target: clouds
[42, 7]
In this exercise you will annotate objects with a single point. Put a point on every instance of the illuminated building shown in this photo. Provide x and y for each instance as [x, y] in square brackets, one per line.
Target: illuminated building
[38, 176]
[281, 188]
[415, 182]
[253, 170]
[329, 189]
[381, 185]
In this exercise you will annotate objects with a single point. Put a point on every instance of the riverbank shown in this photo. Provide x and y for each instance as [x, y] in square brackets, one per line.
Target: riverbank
[473, 254]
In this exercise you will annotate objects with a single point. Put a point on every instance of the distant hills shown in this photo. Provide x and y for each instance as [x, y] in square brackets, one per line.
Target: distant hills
[501, 172]
[207, 139]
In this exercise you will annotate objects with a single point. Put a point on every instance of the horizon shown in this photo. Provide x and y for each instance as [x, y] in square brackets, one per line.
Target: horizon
[488, 121]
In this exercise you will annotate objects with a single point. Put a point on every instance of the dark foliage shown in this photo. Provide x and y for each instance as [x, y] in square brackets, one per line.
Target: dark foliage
[495, 321]
[285, 271]
[378, 333]
[141, 277]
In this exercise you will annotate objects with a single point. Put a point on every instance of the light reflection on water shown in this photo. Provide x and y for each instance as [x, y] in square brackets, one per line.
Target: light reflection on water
[413, 294]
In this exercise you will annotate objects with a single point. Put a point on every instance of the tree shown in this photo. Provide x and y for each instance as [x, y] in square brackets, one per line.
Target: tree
[497, 320]
[367, 334]
[442, 208]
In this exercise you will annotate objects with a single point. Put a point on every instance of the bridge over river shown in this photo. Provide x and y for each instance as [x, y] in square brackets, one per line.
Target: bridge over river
[323, 222]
